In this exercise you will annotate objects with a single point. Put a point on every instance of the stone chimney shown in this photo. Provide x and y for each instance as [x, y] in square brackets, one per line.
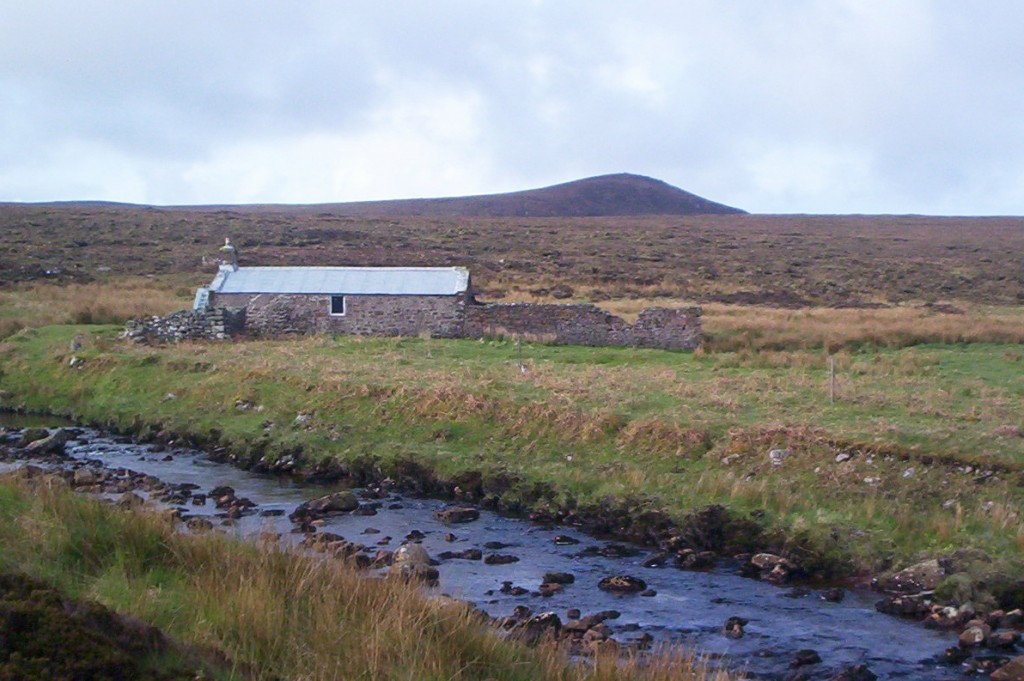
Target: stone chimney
[228, 256]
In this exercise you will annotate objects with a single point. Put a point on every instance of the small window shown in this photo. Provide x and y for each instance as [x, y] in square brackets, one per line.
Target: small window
[338, 305]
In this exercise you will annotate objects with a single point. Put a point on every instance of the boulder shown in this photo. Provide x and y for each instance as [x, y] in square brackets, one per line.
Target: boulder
[129, 500]
[411, 561]
[770, 567]
[411, 554]
[500, 559]
[457, 514]
[622, 584]
[975, 634]
[539, 627]
[51, 444]
[558, 578]
[339, 502]
[834, 594]
[857, 672]
[548, 589]
[804, 658]
[904, 605]
[197, 524]
[923, 576]
[30, 435]
[84, 477]
[1003, 639]
[330, 504]
[468, 554]
[1011, 671]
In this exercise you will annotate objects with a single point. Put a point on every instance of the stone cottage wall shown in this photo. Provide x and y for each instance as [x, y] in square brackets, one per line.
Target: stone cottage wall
[441, 316]
[365, 315]
[212, 323]
[666, 328]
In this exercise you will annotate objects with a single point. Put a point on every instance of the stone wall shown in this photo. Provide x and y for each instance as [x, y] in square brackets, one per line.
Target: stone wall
[365, 315]
[272, 315]
[212, 323]
[656, 327]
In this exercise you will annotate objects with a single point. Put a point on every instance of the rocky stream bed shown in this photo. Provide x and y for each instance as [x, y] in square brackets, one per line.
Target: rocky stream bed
[536, 579]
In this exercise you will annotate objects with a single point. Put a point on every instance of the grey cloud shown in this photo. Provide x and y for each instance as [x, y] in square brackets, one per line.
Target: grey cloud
[807, 105]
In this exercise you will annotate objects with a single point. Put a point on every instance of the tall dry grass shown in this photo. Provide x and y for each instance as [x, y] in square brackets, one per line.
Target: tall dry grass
[276, 614]
[731, 328]
[108, 302]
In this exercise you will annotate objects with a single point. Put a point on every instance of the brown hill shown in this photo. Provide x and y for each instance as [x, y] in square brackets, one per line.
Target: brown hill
[604, 196]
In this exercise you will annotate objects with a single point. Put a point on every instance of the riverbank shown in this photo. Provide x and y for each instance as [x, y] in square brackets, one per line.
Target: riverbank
[268, 612]
[918, 457]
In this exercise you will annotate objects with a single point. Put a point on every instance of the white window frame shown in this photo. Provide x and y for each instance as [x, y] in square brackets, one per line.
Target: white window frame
[344, 306]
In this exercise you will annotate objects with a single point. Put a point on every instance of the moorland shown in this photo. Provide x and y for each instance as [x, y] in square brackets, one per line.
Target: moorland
[915, 451]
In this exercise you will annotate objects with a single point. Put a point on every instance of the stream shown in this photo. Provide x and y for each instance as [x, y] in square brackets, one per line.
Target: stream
[688, 607]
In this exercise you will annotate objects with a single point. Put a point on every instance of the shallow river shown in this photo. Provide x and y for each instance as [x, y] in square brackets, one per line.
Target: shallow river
[690, 607]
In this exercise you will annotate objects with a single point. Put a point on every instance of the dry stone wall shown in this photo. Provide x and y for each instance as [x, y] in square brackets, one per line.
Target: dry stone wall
[666, 328]
[212, 323]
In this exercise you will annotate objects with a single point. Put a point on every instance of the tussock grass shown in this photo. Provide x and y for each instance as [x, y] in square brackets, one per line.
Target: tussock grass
[276, 614]
[108, 302]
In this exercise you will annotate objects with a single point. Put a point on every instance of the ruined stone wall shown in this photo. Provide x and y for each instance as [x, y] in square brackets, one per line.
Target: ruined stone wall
[365, 315]
[666, 328]
[216, 323]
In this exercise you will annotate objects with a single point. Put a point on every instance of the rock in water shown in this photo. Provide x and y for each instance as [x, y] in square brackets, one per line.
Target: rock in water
[457, 514]
[1011, 671]
[622, 584]
[558, 578]
[339, 502]
[51, 444]
[857, 672]
[805, 657]
[412, 561]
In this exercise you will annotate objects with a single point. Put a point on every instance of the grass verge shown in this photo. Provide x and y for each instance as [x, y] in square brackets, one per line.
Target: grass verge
[270, 613]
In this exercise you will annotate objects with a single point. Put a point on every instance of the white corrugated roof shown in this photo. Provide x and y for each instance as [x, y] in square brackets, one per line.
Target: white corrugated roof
[397, 281]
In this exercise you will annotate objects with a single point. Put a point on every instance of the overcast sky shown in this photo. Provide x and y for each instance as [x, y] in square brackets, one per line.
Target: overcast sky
[789, 106]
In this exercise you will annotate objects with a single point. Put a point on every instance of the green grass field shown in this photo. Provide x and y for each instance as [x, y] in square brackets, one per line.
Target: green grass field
[933, 433]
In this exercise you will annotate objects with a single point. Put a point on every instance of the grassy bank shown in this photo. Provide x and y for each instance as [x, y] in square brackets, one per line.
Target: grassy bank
[921, 453]
[245, 612]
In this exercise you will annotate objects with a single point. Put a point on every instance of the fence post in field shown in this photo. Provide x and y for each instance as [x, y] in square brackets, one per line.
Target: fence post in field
[831, 380]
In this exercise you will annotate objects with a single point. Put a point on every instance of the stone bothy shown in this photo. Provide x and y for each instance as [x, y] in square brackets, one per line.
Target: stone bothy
[366, 301]
[397, 301]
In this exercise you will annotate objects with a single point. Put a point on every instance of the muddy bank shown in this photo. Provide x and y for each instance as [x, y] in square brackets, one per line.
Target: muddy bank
[516, 571]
